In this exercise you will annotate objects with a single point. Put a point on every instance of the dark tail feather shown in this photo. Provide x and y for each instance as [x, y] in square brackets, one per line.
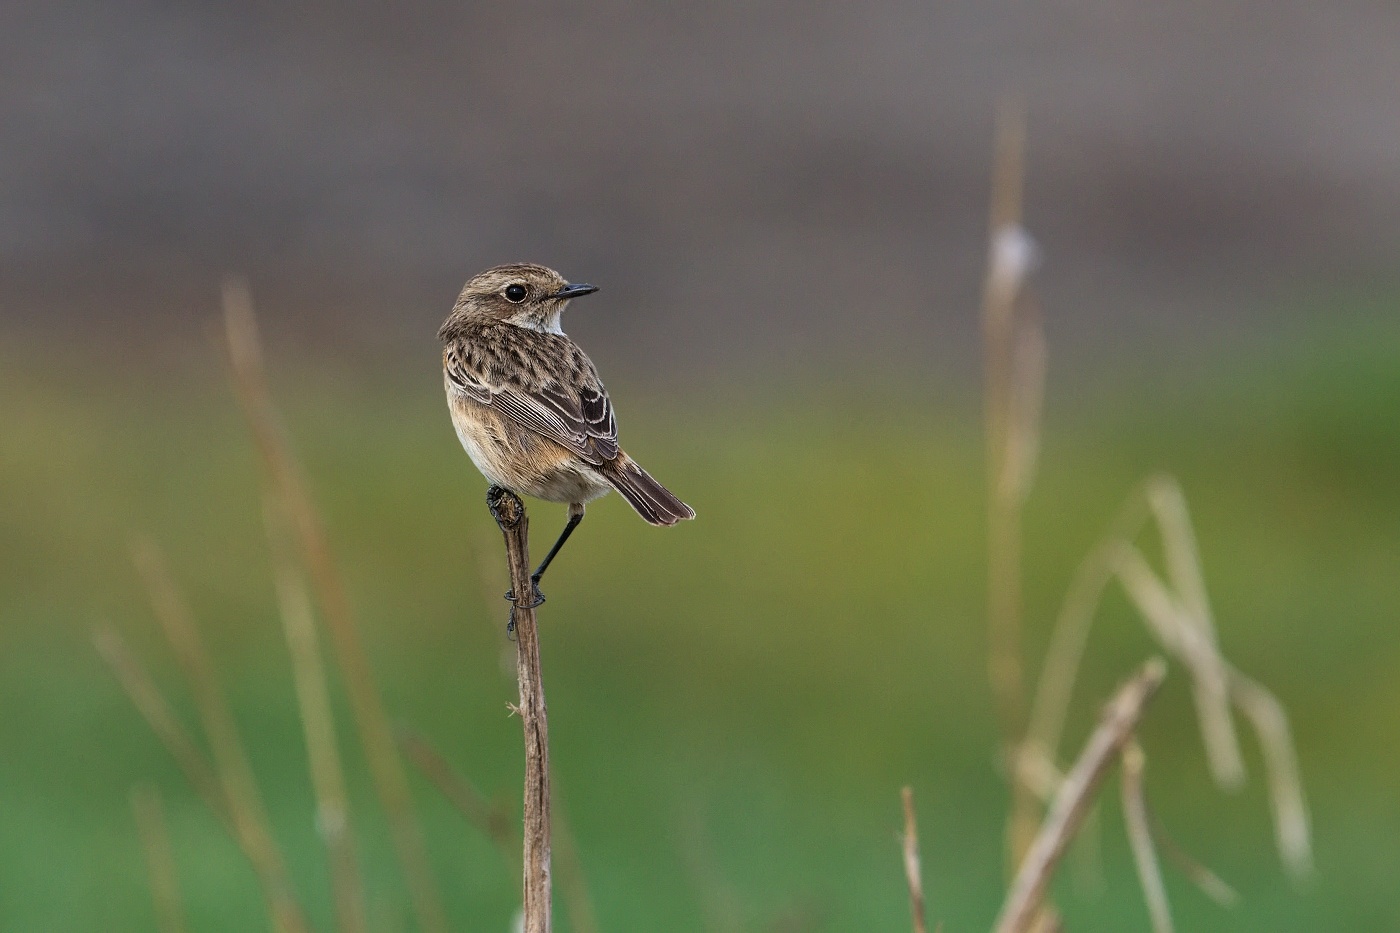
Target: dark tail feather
[652, 500]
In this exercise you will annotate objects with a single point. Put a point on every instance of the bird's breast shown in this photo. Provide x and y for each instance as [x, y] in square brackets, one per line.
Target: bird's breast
[518, 458]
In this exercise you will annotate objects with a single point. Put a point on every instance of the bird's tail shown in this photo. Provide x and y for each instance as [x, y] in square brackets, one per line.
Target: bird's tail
[653, 501]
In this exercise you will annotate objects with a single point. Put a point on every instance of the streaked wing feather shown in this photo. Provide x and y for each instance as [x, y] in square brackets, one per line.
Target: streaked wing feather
[581, 420]
[463, 379]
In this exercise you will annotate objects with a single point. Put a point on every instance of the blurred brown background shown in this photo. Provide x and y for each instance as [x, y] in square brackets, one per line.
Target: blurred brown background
[743, 179]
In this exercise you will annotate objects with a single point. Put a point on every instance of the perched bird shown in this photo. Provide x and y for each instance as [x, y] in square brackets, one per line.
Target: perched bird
[528, 405]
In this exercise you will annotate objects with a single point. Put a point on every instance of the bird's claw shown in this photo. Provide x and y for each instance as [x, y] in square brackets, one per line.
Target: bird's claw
[538, 596]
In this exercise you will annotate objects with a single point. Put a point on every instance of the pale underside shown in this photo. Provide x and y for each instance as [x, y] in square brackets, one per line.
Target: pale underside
[518, 458]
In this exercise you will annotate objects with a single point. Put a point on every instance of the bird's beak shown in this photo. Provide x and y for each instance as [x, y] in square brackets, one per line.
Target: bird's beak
[573, 291]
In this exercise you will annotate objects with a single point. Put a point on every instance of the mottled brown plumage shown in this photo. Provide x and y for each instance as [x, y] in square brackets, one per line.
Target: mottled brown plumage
[527, 403]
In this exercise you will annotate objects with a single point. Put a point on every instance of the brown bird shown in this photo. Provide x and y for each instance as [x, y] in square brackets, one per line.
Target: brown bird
[528, 405]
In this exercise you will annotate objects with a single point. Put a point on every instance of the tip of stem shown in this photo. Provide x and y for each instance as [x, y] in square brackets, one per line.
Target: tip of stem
[506, 507]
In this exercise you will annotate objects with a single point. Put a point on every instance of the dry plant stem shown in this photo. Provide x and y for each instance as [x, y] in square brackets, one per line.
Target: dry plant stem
[913, 871]
[1015, 375]
[1179, 618]
[1139, 829]
[1042, 778]
[1074, 797]
[160, 863]
[1072, 626]
[1292, 824]
[149, 702]
[282, 907]
[1004, 505]
[1208, 684]
[231, 760]
[285, 483]
[318, 726]
[509, 513]
[464, 797]
[1165, 618]
[1202, 877]
[494, 824]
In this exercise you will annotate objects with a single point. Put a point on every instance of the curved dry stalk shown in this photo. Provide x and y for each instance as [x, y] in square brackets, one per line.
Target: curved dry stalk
[1292, 824]
[1208, 682]
[1161, 497]
[1033, 761]
[230, 758]
[318, 728]
[284, 482]
[1191, 640]
[1209, 883]
[1179, 618]
[1138, 826]
[143, 693]
[1166, 620]
[160, 863]
[252, 838]
[1071, 631]
[462, 795]
[1074, 797]
[913, 871]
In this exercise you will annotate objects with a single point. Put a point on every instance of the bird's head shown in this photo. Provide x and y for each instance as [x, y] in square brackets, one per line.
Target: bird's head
[519, 293]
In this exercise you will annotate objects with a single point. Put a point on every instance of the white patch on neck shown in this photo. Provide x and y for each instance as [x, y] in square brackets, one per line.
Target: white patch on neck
[547, 327]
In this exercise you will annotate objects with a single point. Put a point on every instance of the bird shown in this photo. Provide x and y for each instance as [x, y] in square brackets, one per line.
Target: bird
[528, 406]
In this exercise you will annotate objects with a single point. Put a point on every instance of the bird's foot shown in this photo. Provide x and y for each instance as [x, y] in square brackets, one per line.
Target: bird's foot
[537, 598]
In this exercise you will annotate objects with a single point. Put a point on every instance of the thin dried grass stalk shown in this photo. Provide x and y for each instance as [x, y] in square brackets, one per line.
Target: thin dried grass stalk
[493, 823]
[913, 870]
[1014, 348]
[1138, 826]
[1292, 824]
[1043, 779]
[1008, 480]
[1181, 632]
[1030, 360]
[1071, 631]
[255, 843]
[141, 689]
[160, 863]
[285, 483]
[1202, 877]
[1179, 618]
[1185, 640]
[230, 758]
[1075, 796]
[318, 727]
[1208, 684]
[489, 819]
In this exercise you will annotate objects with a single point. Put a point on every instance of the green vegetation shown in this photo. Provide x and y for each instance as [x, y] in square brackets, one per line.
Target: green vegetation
[734, 702]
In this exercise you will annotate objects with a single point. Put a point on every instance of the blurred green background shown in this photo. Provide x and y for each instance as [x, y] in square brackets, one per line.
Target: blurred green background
[735, 702]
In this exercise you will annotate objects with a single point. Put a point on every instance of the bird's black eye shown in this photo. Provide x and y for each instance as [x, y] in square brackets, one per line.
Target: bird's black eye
[515, 293]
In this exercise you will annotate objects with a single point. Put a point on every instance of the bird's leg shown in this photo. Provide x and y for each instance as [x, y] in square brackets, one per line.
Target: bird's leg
[575, 516]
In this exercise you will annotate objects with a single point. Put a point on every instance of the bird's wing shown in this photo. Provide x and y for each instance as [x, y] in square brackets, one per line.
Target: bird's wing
[569, 405]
